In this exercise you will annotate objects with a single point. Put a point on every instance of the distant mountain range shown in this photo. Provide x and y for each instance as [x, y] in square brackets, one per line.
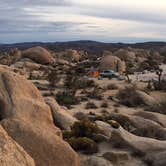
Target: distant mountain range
[86, 45]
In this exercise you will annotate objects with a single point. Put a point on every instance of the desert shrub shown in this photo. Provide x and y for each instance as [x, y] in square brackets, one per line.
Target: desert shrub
[83, 98]
[149, 86]
[96, 93]
[159, 107]
[116, 105]
[160, 85]
[84, 144]
[91, 105]
[97, 117]
[67, 134]
[129, 97]
[53, 78]
[114, 124]
[122, 120]
[110, 98]
[116, 110]
[84, 128]
[83, 136]
[85, 83]
[112, 86]
[104, 104]
[91, 113]
[98, 138]
[104, 111]
[80, 116]
[66, 99]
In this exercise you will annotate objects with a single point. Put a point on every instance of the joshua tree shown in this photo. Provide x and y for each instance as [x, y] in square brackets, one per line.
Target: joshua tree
[53, 78]
[71, 83]
[159, 72]
[127, 72]
[160, 84]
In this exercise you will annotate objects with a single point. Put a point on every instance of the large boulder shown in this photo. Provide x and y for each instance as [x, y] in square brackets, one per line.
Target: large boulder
[113, 63]
[28, 120]
[132, 97]
[147, 149]
[140, 126]
[146, 99]
[11, 154]
[121, 138]
[154, 116]
[125, 55]
[61, 117]
[73, 55]
[38, 54]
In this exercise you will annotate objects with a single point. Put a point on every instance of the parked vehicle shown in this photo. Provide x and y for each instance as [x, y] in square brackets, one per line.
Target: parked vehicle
[109, 74]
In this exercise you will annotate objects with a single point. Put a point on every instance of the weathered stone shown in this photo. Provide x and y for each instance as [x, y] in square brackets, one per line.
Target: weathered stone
[28, 120]
[12, 154]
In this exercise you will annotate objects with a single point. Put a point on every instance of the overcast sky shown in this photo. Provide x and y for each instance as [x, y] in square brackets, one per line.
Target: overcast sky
[66, 20]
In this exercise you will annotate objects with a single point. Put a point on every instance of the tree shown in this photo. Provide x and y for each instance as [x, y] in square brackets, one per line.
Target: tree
[128, 71]
[53, 77]
[159, 72]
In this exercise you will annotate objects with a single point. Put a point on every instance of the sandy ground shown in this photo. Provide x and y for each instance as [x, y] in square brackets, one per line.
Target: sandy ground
[112, 106]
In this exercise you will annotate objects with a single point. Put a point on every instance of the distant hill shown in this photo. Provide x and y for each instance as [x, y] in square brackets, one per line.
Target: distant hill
[86, 45]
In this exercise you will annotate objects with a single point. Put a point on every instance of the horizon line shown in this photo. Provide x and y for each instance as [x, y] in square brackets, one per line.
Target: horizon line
[53, 42]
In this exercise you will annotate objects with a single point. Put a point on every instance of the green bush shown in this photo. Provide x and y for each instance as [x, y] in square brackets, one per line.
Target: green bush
[104, 104]
[65, 99]
[83, 136]
[91, 105]
[97, 117]
[160, 86]
[67, 134]
[96, 93]
[84, 144]
[84, 128]
[121, 120]
[80, 116]
[85, 83]
[112, 86]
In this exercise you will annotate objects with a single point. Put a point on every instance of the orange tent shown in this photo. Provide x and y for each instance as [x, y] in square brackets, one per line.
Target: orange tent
[94, 73]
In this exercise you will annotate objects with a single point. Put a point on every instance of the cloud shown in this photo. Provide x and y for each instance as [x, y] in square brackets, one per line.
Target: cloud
[31, 26]
[18, 3]
[106, 20]
[143, 11]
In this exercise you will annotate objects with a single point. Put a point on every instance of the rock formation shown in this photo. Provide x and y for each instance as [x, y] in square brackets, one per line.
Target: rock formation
[38, 54]
[113, 63]
[125, 55]
[73, 55]
[151, 151]
[61, 117]
[11, 154]
[28, 120]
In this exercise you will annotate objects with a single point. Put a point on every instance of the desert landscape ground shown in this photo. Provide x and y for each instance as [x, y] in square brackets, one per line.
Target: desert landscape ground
[83, 103]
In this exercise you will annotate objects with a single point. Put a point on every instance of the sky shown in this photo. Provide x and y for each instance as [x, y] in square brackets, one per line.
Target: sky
[126, 21]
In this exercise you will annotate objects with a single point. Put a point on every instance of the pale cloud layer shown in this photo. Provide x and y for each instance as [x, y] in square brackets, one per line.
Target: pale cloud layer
[64, 20]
